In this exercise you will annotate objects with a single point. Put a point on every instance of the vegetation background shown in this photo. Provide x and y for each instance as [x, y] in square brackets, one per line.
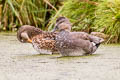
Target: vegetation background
[85, 15]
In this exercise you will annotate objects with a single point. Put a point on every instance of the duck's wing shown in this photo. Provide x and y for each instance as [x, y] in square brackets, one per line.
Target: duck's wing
[75, 45]
[81, 44]
[95, 39]
[80, 35]
[86, 36]
[44, 42]
[67, 42]
[49, 35]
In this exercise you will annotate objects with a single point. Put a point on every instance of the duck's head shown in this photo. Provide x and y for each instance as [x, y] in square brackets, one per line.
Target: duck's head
[62, 23]
[27, 32]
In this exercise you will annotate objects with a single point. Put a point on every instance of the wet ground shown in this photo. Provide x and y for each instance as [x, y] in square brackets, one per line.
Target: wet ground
[20, 61]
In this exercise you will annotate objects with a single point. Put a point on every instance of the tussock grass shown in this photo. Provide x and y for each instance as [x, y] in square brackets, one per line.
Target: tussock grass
[85, 15]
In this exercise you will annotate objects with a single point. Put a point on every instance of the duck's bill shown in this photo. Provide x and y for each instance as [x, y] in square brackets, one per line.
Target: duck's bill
[30, 41]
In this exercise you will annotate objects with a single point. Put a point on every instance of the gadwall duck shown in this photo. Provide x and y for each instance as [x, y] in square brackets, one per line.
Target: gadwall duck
[74, 43]
[42, 41]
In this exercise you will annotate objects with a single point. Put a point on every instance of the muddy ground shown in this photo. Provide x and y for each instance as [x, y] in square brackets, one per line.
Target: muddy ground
[20, 61]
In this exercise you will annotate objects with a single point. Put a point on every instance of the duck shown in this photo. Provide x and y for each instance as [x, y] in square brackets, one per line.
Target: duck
[42, 41]
[74, 43]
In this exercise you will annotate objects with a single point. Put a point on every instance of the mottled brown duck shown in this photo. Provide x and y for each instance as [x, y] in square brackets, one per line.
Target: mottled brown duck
[43, 42]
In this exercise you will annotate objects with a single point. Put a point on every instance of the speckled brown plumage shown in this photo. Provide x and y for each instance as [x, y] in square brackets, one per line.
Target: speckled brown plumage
[43, 42]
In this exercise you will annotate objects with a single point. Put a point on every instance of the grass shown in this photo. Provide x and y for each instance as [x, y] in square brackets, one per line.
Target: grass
[20, 12]
[85, 15]
[107, 18]
[81, 14]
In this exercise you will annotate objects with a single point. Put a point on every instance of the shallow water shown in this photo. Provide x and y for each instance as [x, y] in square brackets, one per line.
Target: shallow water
[20, 61]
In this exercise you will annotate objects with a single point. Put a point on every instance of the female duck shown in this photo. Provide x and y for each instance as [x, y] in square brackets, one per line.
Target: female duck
[42, 41]
[74, 43]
